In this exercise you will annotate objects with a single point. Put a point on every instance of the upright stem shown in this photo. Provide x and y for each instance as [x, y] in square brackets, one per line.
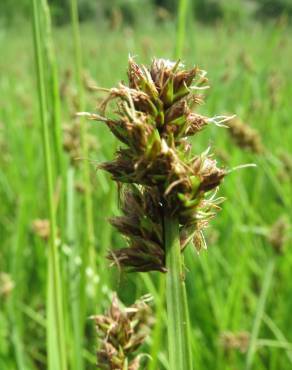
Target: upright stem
[74, 288]
[55, 321]
[181, 27]
[179, 345]
[260, 311]
[88, 250]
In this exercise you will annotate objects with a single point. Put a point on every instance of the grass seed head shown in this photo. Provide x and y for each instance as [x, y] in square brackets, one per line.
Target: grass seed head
[245, 137]
[121, 332]
[41, 228]
[153, 119]
[235, 341]
[278, 234]
[6, 284]
[72, 141]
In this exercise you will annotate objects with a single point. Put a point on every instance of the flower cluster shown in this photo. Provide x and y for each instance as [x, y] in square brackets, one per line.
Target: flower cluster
[154, 117]
[121, 333]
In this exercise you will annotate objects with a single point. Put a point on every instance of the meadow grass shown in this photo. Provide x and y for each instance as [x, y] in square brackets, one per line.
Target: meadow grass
[238, 285]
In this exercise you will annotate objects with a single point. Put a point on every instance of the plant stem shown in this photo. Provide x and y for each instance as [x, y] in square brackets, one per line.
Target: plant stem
[88, 250]
[55, 322]
[177, 313]
[259, 314]
[157, 332]
[74, 283]
[181, 27]
[54, 102]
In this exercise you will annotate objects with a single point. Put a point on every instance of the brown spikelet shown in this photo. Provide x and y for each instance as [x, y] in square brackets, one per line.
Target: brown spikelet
[72, 141]
[275, 84]
[6, 284]
[41, 228]
[235, 341]
[245, 136]
[121, 332]
[142, 227]
[285, 172]
[278, 234]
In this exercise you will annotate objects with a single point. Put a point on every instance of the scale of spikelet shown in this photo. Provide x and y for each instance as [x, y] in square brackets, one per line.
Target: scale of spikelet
[153, 120]
[121, 333]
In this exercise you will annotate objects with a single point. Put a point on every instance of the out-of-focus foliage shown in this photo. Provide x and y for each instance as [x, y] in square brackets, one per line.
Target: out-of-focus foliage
[274, 8]
[135, 11]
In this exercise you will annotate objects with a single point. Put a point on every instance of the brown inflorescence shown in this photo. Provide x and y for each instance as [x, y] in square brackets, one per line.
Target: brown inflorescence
[153, 119]
[235, 341]
[6, 284]
[121, 332]
[41, 228]
[278, 234]
[72, 141]
[285, 171]
[245, 136]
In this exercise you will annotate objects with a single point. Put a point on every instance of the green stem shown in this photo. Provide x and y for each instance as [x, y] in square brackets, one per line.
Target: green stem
[181, 27]
[74, 282]
[259, 314]
[88, 253]
[179, 345]
[55, 322]
[157, 332]
[53, 80]
[54, 89]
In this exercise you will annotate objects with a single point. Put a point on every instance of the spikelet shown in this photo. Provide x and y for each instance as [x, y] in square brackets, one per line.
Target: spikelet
[278, 234]
[41, 228]
[245, 136]
[235, 341]
[121, 332]
[72, 141]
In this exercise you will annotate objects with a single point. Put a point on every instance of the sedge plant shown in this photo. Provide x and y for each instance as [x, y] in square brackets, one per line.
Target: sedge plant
[168, 194]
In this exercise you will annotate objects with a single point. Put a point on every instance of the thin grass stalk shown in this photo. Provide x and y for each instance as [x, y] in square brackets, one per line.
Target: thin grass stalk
[55, 324]
[277, 333]
[14, 313]
[53, 80]
[260, 311]
[157, 333]
[181, 28]
[54, 90]
[106, 233]
[76, 357]
[179, 343]
[177, 315]
[88, 249]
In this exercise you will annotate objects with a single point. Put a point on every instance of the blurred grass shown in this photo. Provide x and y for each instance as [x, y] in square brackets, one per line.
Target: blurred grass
[250, 75]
